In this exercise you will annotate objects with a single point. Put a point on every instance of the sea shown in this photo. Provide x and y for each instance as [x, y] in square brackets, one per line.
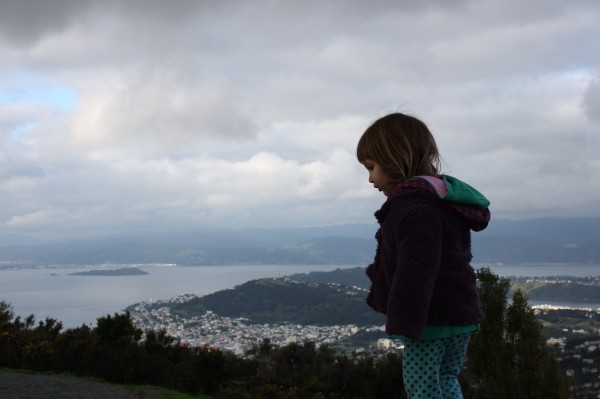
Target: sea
[51, 291]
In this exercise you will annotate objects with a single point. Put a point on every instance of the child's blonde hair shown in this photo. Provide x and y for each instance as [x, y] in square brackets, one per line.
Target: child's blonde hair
[402, 145]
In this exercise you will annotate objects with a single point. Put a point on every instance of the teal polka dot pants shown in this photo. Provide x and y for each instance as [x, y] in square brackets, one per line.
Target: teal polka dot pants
[431, 367]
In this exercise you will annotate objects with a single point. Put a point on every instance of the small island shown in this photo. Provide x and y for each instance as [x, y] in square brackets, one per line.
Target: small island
[126, 271]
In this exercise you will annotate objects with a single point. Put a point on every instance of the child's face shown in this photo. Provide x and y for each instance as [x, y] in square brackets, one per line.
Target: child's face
[378, 176]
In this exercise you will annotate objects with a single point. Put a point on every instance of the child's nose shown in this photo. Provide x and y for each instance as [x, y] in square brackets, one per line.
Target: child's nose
[370, 179]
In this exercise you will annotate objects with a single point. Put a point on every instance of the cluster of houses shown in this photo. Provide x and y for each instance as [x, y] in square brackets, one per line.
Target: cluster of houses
[581, 364]
[237, 335]
[578, 353]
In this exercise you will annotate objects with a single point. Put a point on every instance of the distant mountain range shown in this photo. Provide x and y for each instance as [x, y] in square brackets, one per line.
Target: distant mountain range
[548, 240]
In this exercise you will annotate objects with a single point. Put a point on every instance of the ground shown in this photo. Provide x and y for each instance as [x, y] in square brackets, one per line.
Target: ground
[23, 385]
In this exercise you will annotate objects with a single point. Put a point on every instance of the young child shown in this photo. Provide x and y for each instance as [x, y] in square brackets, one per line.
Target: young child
[421, 277]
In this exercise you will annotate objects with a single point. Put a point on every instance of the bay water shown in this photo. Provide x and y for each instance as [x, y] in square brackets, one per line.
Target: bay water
[75, 300]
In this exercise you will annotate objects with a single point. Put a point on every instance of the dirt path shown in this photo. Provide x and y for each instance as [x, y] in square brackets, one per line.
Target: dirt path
[22, 385]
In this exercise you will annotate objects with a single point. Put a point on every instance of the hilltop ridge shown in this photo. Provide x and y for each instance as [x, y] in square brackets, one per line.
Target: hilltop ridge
[277, 300]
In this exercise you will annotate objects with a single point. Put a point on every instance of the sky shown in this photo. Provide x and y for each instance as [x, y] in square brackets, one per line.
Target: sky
[120, 116]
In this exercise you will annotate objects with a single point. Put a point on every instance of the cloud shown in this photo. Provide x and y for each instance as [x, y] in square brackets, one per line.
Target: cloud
[164, 110]
[591, 102]
[492, 52]
[24, 22]
[124, 192]
[187, 113]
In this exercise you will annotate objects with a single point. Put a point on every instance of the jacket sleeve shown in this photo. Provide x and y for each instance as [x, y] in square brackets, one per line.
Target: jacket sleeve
[418, 237]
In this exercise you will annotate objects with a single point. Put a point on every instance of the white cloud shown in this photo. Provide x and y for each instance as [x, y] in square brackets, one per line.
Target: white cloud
[163, 111]
[248, 112]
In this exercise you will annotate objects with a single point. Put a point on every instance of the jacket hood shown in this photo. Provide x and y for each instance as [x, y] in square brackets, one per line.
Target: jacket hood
[461, 193]
[464, 199]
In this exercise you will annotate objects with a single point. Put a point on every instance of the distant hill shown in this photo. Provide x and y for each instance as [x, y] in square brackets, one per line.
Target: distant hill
[281, 300]
[536, 289]
[126, 271]
[353, 277]
[332, 298]
[569, 240]
[516, 249]
[559, 230]
[564, 291]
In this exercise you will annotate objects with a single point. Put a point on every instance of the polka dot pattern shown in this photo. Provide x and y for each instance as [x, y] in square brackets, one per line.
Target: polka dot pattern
[431, 367]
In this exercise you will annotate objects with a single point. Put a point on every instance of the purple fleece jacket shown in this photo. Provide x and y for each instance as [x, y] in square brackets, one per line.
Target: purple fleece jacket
[421, 274]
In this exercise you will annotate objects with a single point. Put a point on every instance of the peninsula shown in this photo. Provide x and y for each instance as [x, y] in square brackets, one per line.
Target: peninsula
[126, 271]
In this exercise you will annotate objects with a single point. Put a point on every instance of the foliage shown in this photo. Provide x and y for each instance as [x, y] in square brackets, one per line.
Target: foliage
[281, 300]
[113, 351]
[508, 358]
[305, 371]
[118, 352]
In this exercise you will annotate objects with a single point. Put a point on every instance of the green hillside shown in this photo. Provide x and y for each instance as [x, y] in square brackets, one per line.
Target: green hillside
[318, 298]
[542, 290]
[283, 300]
[559, 288]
